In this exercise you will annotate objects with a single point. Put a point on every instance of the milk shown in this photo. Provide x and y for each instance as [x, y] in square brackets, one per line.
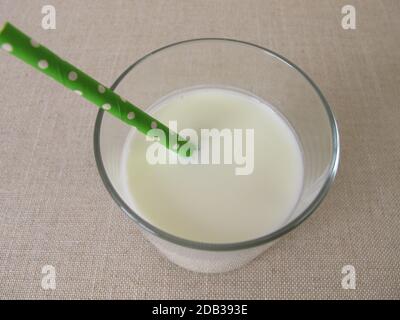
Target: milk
[208, 202]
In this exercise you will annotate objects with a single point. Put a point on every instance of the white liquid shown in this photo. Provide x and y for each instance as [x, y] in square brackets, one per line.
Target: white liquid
[209, 203]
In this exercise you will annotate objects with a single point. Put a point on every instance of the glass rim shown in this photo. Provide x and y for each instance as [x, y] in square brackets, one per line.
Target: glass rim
[333, 166]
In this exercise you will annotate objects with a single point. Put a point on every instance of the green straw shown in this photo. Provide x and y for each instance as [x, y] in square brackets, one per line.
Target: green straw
[28, 50]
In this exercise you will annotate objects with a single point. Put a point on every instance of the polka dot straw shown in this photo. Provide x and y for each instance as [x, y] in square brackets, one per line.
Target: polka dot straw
[28, 50]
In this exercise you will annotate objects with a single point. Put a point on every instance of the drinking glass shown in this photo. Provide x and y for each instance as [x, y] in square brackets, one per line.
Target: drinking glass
[226, 63]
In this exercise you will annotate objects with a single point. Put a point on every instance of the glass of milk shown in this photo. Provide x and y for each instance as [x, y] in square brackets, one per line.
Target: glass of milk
[218, 215]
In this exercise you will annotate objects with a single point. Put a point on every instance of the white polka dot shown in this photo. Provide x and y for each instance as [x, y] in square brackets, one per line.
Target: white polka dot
[101, 88]
[154, 124]
[79, 93]
[106, 106]
[34, 44]
[72, 76]
[43, 64]
[8, 47]
[131, 115]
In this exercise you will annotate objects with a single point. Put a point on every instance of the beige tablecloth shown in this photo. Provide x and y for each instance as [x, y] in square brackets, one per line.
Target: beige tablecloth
[54, 209]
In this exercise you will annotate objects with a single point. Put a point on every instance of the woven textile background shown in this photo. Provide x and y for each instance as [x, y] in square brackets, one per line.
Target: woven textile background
[54, 209]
